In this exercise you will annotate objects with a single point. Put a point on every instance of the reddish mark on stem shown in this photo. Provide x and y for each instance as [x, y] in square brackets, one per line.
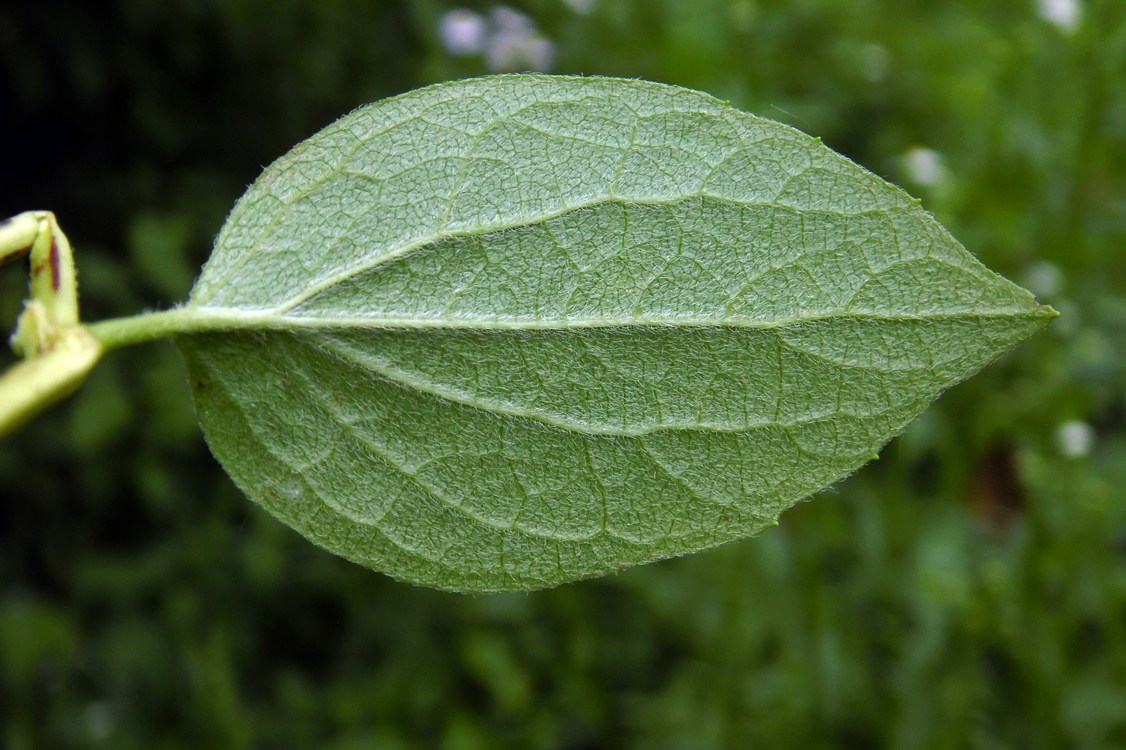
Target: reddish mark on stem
[54, 265]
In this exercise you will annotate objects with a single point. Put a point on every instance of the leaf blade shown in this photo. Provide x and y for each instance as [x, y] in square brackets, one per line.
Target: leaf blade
[658, 324]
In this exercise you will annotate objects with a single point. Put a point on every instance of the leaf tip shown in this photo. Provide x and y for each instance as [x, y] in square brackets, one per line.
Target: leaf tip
[1043, 314]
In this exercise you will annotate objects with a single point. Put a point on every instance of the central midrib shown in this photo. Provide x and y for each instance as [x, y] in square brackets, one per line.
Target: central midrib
[204, 319]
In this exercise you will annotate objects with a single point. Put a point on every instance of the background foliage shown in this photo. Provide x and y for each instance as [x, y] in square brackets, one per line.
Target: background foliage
[968, 590]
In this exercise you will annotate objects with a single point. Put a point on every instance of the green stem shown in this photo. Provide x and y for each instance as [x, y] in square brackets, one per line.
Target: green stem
[140, 329]
[137, 329]
[47, 376]
[153, 326]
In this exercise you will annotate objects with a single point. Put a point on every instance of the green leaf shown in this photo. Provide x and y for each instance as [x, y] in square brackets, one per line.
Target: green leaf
[509, 332]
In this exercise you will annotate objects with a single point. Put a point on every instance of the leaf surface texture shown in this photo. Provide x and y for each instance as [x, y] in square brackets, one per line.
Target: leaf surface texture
[510, 332]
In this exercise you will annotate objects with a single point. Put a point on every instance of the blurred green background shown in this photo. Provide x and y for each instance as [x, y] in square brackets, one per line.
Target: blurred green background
[968, 590]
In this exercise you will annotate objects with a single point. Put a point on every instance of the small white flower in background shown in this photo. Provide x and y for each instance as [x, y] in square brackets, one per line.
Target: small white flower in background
[1062, 13]
[511, 21]
[516, 43]
[1044, 278]
[1075, 438]
[508, 38]
[510, 52]
[924, 166]
[582, 7]
[463, 32]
